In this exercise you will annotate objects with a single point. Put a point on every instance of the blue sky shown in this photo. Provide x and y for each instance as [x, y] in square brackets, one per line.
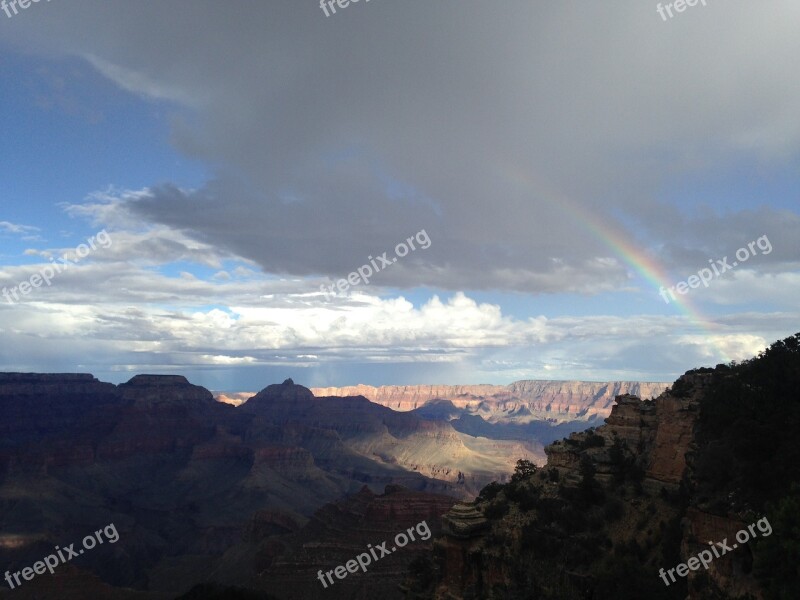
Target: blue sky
[236, 173]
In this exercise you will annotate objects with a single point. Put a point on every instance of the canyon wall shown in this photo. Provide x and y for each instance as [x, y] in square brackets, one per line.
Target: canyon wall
[521, 401]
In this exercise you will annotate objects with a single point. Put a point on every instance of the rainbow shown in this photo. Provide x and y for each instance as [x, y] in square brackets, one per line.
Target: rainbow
[634, 256]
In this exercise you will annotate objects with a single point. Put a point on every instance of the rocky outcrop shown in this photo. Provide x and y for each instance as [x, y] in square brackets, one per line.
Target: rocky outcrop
[673, 439]
[659, 433]
[36, 404]
[278, 395]
[521, 401]
[464, 521]
[475, 552]
[460, 550]
[53, 420]
[649, 444]
[162, 413]
[173, 390]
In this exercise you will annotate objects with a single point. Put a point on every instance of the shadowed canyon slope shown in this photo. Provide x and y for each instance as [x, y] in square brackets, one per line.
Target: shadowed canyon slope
[183, 476]
[287, 565]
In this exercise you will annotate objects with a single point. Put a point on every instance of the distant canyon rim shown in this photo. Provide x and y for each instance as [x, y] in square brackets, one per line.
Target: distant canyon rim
[523, 401]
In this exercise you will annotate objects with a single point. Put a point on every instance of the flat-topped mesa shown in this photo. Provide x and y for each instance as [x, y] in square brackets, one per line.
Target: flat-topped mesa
[44, 377]
[35, 384]
[165, 389]
[142, 380]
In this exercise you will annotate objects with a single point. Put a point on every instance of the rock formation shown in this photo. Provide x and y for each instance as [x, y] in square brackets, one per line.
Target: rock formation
[464, 521]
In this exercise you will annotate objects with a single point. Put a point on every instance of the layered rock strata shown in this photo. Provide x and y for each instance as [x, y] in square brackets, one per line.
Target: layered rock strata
[522, 400]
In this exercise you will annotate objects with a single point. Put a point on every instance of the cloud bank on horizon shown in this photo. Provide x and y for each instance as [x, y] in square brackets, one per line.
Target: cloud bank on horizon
[566, 159]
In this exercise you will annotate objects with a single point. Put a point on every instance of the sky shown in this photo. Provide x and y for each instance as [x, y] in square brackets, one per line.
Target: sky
[521, 183]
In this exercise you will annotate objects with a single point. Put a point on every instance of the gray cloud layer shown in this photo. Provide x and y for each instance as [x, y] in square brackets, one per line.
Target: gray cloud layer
[491, 125]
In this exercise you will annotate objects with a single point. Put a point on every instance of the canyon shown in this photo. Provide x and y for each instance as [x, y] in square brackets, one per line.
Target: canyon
[615, 506]
[521, 401]
[252, 499]
[186, 478]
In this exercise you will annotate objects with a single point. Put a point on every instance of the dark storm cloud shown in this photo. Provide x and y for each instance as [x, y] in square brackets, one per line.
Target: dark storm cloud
[490, 125]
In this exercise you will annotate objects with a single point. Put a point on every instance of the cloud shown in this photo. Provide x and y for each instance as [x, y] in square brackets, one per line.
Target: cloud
[127, 308]
[139, 83]
[530, 140]
[101, 319]
[25, 230]
[505, 131]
